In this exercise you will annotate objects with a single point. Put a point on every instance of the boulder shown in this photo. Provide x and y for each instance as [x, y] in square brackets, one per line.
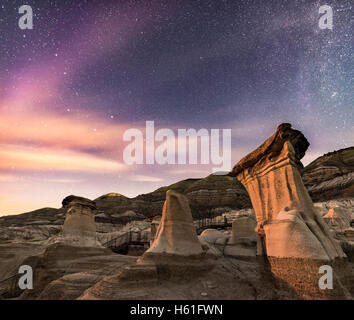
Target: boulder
[212, 236]
[243, 230]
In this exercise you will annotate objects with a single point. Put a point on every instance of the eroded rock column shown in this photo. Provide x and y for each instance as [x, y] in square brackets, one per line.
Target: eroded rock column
[79, 227]
[291, 232]
[176, 248]
[176, 233]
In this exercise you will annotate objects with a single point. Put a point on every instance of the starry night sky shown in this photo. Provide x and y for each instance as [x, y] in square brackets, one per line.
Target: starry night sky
[91, 69]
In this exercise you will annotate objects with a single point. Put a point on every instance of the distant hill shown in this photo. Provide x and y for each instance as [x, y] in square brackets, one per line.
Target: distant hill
[331, 176]
[210, 195]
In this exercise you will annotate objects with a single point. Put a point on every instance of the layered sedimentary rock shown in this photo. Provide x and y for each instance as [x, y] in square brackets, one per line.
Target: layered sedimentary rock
[64, 271]
[212, 194]
[331, 176]
[79, 227]
[289, 227]
[209, 195]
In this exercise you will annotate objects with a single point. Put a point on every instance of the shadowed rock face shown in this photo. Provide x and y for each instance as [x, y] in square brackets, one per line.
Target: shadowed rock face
[289, 226]
[210, 195]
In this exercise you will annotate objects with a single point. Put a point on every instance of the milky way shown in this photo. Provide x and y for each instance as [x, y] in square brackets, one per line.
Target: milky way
[91, 69]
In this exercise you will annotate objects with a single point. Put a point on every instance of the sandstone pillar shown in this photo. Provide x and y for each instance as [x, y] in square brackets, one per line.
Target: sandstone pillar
[176, 248]
[176, 232]
[288, 225]
[79, 227]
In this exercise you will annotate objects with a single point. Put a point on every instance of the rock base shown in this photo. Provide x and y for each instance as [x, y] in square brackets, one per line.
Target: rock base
[177, 267]
[302, 275]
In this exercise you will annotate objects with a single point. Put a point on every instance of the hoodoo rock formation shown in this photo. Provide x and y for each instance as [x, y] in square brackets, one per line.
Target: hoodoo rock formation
[79, 227]
[292, 233]
[176, 235]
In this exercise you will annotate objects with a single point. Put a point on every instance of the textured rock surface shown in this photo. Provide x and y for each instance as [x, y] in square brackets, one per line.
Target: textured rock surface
[338, 214]
[175, 254]
[12, 256]
[289, 236]
[229, 279]
[213, 194]
[331, 176]
[67, 272]
[64, 272]
[32, 226]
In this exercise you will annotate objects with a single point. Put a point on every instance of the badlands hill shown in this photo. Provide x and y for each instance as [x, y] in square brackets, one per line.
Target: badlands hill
[331, 176]
[209, 196]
